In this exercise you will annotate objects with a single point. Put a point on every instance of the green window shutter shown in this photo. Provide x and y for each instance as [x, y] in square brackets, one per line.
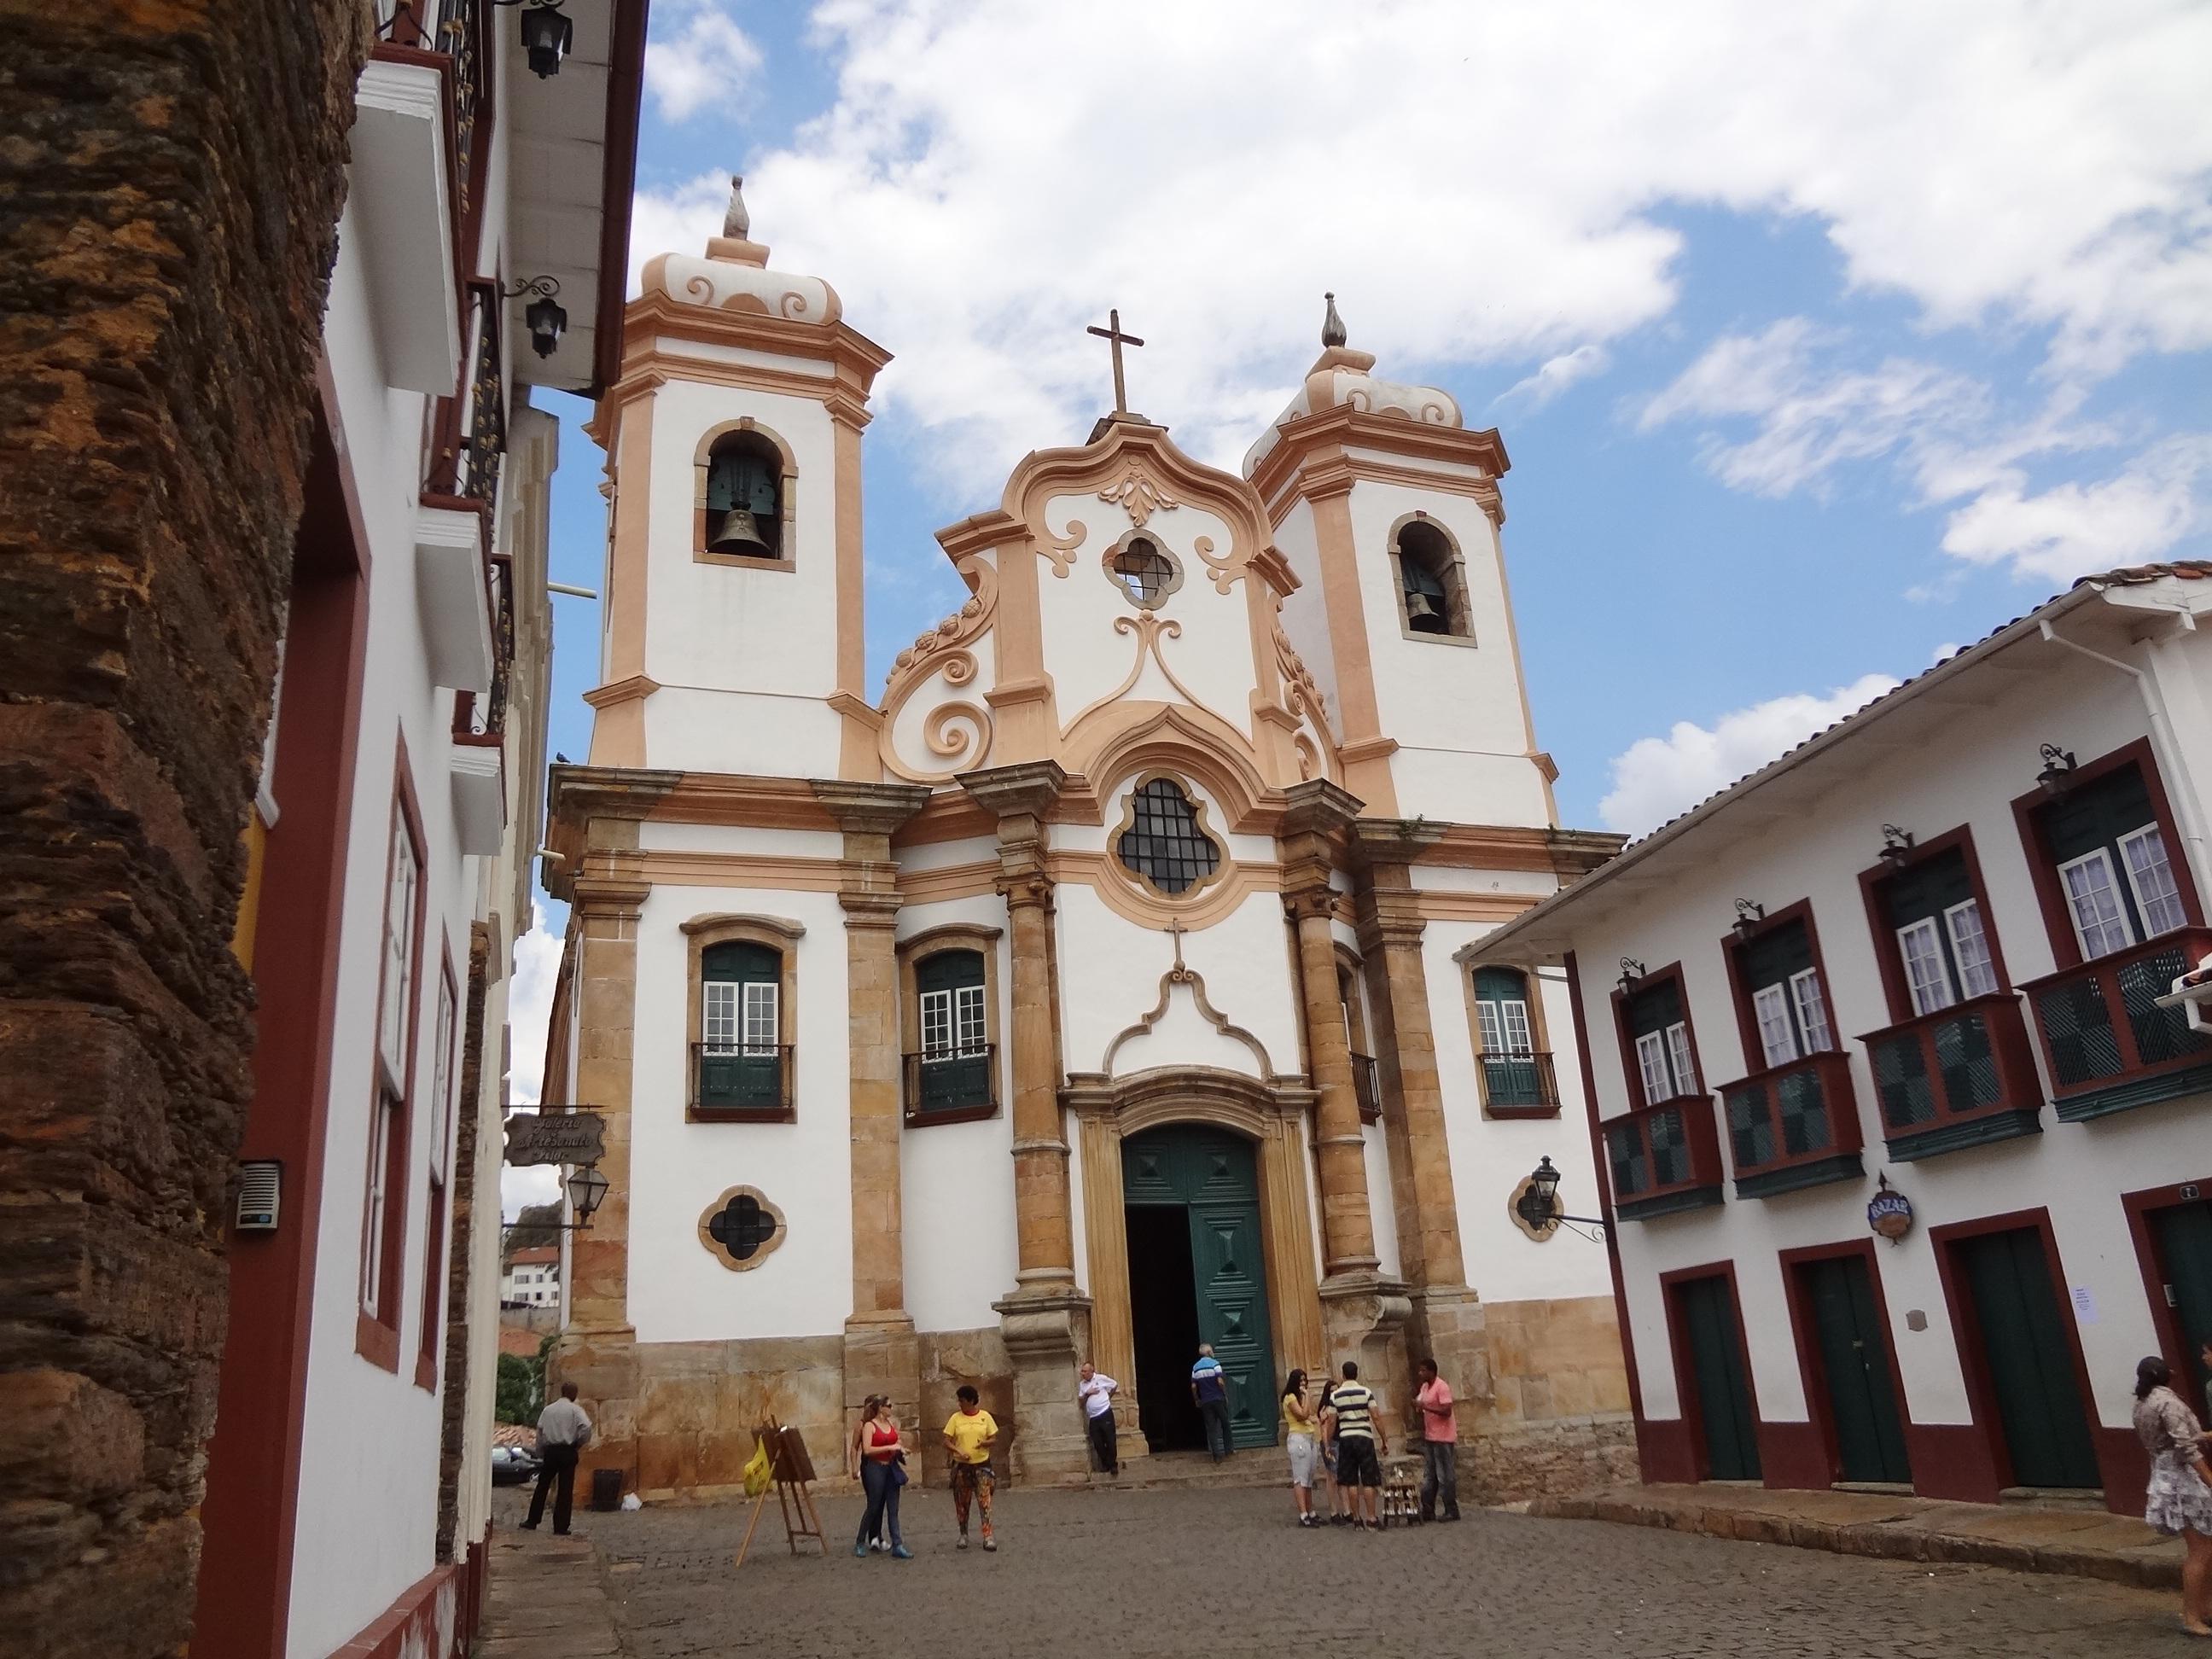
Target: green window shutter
[1775, 955]
[2096, 814]
[1655, 1009]
[948, 971]
[1928, 889]
[955, 1062]
[742, 963]
[1500, 985]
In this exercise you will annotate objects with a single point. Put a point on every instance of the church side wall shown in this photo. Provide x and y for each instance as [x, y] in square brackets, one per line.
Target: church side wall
[1305, 622]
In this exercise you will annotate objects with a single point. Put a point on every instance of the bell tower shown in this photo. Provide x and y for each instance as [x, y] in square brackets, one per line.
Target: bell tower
[734, 638]
[1388, 510]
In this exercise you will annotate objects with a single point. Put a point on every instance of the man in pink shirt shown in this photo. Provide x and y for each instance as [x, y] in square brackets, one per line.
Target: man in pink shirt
[1439, 1443]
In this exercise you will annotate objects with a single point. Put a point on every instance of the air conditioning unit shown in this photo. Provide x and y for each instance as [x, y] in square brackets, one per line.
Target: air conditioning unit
[260, 1193]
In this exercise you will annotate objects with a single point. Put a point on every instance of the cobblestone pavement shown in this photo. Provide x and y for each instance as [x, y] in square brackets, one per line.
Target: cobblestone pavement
[1225, 1575]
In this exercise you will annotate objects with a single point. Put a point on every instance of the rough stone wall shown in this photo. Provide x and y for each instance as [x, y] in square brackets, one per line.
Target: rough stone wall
[461, 1206]
[1558, 1417]
[170, 181]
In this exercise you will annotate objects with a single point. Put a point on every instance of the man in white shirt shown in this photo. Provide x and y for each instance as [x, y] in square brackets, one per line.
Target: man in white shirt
[1097, 1391]
[562, 1429]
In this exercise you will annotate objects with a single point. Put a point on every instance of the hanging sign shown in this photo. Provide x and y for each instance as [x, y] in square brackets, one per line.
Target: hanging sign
[1890, 1213]
[554, 1137]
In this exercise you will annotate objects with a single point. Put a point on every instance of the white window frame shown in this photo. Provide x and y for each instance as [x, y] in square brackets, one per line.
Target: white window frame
[1777, 1037]
[718, 1016]
[1969, 933]
[1684, 1063]
[441, 1079]
[1651, 1060]
[969, 1033]
[395, 996]
[2166, 904]
[759, 1030]
[1810, 999]
[388, 1107]
[1931, 992]
[2096, 935]
[1506, 1030]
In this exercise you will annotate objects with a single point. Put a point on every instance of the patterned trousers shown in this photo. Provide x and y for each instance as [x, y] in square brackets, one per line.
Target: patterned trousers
[972, 1480]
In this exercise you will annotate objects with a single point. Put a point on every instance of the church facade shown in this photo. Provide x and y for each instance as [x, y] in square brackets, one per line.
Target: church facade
[1098, 989]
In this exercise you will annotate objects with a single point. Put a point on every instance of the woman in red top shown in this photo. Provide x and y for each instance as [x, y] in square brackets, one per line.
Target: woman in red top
[880, 1457]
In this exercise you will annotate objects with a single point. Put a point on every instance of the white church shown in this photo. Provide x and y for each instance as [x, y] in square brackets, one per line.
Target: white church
[1099, 988]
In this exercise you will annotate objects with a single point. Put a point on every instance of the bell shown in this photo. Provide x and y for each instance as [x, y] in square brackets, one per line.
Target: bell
[740, 534]
[1422, 614]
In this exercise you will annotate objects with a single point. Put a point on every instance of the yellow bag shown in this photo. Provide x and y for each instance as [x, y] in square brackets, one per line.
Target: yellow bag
[759, 1472]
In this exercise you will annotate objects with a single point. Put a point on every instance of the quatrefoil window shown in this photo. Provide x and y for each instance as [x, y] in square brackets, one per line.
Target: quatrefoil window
[1145, 572]
[1163, 843]
[741, 1229]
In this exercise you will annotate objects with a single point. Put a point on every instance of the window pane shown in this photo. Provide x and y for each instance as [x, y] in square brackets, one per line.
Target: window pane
[760, 1018]
[397, 989]
[1812, 1011]
[1164, 843]
[1492, 1025]
[1651, 1060]
[1678, 1051]
[718, 1022]
[936, 1024]
[1516, 1028]
[2152, 878]
[1924, 973]
[969, 1018]
[1777, 1039]
[2092, 899]
[1969, 948]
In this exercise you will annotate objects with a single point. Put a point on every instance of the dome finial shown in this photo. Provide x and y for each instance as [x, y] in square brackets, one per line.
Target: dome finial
[737, 223]
[1332, 326]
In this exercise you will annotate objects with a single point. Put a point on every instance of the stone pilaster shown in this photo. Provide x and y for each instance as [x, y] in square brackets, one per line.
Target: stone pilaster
[1447, 1322]
[1363, 1311]
[1046, 1320]
[881, 1355]
[598, 1349]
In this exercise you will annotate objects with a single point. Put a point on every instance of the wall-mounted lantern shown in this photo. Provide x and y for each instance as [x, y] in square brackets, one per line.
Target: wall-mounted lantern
[545, 317]
[1538, 1203]
[1896, 846]
[1748, 916]
[1631, 976]
[2057, 771]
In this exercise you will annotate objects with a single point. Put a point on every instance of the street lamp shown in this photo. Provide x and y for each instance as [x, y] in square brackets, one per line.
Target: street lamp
[547, 34]
[1631, 976]
[1538, 1204]
[545, 317]
[2058, 769]
[1896, 846]
[1748, 916]
[587, 1188]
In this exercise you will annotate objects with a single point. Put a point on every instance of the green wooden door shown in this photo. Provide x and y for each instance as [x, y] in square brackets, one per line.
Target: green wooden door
[1722, 1391]
[2185, 1261]
[1211, 1175]
[1855, 1367]
[2029, 1360]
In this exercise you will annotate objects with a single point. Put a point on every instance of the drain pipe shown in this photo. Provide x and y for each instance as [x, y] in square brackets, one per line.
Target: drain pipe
[2171, 759]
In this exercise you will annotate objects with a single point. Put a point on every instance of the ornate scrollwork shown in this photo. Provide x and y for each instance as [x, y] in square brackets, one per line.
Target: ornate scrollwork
[1060, 551]
[1135, 493]
[1225, 571]
[961, 731]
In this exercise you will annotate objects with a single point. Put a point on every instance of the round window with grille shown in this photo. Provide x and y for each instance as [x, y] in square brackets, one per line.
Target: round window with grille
[1163, 841]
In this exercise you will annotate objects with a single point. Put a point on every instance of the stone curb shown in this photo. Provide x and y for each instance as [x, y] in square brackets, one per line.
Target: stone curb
[1894, 1540]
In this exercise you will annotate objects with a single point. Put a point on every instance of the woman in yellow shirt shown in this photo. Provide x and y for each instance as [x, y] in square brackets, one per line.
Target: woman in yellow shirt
[970, 1433]
[1301, 1438]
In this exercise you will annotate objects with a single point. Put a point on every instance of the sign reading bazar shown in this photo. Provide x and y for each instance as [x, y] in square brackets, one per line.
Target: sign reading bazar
[1890, 1214]
[576, 1137]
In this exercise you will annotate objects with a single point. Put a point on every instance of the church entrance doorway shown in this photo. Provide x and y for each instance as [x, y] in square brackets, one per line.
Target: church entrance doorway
[1192, 1199]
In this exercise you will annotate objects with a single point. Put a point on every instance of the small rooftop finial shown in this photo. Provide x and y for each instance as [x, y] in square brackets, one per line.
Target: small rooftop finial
[1332, 326]
[737, 223]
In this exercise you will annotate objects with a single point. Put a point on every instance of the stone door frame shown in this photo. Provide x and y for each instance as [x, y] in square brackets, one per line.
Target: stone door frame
[1277, 1117]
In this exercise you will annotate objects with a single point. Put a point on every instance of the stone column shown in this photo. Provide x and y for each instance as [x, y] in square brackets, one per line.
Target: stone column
[881, 1353]
[1045, 1319]
[1361, 1310]
[598, 1349]
[1447, 1317]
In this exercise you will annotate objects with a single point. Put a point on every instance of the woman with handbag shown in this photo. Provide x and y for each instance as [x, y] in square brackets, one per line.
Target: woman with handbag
[882, 1458]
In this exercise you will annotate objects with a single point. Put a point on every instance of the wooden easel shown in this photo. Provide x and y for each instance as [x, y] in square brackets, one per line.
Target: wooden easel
[792, 1471]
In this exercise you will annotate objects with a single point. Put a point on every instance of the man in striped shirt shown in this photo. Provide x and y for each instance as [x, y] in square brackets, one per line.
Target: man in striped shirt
[1361, 1444]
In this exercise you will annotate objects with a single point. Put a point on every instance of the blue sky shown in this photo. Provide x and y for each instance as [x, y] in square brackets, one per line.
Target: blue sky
[1821, 339]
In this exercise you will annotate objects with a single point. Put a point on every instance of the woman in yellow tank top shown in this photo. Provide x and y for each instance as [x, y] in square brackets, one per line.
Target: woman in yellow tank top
[1302, 1438]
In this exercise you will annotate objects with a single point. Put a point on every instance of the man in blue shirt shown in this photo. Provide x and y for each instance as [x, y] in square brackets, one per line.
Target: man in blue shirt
[1209, 1389]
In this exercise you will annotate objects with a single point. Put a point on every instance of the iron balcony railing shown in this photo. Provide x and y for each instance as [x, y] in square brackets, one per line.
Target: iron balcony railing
[452, 30]
[1955, 1078]
[2108, 1044]
[483, 719]
[1367, 1088]
[1792, 1126]
[741, 1079]
[1518, 1082]
[954, 1082]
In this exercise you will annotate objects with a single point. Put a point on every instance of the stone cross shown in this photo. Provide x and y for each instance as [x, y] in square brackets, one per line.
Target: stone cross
[1112, 334]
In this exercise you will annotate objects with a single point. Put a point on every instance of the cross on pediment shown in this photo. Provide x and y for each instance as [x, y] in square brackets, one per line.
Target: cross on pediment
[1113, 335]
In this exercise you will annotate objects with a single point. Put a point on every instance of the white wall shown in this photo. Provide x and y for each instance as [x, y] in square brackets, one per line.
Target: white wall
[1966, 770]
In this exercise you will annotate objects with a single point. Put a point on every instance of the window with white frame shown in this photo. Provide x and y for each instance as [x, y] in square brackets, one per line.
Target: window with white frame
[1789, 1005]
[397, 992]
[1944, 950]
[954, 1053]
[2109, 852]
[741, 1059]
[1659, 1030]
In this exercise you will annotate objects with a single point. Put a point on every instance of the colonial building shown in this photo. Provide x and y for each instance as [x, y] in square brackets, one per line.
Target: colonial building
[532, 1278]
[1905, 1124]
[391, 842]
[1099, 987]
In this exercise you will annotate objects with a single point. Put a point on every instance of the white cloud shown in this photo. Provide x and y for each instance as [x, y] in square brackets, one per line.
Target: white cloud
[1558, 374]
[1476, 184]
[2060, 533]
[709, 60]
[529, 1011]
[1655, 779]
